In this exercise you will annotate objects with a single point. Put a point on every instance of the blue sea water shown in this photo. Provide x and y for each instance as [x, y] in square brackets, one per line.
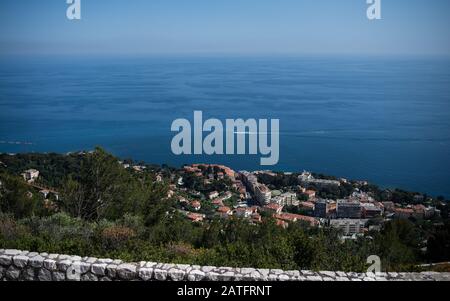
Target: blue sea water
[386, 120]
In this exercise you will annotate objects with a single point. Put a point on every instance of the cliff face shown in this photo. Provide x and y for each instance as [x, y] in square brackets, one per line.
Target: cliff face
[31, 266]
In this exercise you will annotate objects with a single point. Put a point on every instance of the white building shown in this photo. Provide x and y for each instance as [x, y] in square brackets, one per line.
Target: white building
[263, 194]
[348, 226]
[286, 199]
[30, 175]
[213, 195]
[45, 193]
[307, 178]
[243, 212]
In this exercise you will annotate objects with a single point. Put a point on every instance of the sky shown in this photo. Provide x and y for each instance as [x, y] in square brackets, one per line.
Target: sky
[141, 27]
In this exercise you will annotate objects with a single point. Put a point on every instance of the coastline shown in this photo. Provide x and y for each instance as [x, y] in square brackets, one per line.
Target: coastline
[190, 161]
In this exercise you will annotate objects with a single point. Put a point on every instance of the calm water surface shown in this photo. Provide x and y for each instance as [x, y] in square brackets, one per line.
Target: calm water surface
[386, 120]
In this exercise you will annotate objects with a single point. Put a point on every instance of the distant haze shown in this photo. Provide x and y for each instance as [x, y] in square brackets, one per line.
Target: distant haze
[140, 27]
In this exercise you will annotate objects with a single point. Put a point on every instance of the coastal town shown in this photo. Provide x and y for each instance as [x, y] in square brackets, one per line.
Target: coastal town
[211, 214]
[256, 195]
[248, 195]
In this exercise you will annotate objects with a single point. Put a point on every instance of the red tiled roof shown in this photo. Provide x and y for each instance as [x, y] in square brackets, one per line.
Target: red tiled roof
[228, 171]
[224, 209]
[217, 202]
[297, 217]
[256, 217]
[282, 223]
[195, 216]
[307, 204]
[273, 206]
[419, 207]
[404, 210]
[244, 209]
[254, 208]
[196, 204]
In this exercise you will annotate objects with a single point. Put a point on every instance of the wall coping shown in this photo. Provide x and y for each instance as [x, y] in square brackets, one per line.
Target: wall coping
[32, 266]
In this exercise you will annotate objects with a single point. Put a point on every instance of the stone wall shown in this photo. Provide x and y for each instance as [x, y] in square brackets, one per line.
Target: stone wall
[31, 266]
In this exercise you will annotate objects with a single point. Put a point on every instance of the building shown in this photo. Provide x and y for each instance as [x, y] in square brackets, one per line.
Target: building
[159, 178]
[404, 212]
[311, 194]
[306, 179]
[418, 198]
[268, 173]
[332, 209]
[307, 206]
[249, 179]
[389, 206]
[262, 194]
[273, 208]
[192, 169]
[360, 196]
[286, 199]
[224, 211]
[239, 186]
[243, 212]
[289, 199]
[196, 205]
[289, 217]
[348, 226]
[256, 218]
[430, 212]
[195, 217]
[213, 195]
[217, 202]
[30, 175]
[370, 210]
[419, 211]
[220, 170]
[321, 208]
[139, 168]
[44, 192]
[348, 209]
[283, 224]
[227, 195]
[301, 189]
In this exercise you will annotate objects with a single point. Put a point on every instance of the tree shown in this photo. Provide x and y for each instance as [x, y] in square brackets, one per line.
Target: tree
[17, 198]
[104, 189]
[398, 244]
[438, 246]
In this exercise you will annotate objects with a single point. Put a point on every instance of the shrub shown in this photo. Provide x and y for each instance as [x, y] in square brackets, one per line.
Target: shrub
[116, 237]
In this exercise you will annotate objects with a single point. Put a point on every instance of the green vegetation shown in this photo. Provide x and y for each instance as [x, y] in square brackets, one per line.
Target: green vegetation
[106, 210]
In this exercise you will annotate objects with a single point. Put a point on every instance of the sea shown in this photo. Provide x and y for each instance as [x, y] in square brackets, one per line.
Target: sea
[381, 119]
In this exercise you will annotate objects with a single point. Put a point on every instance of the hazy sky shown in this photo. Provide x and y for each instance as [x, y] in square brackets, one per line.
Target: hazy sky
[225, 26]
